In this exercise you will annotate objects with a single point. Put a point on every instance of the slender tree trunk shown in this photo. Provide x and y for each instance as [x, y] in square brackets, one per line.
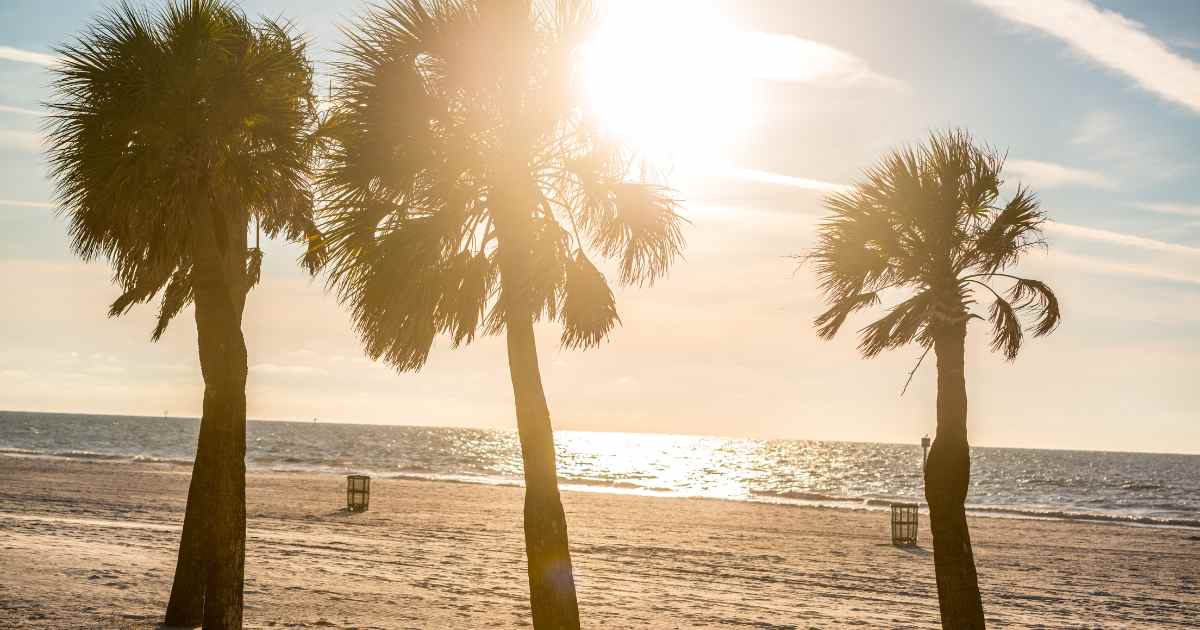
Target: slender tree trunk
[223, 363]
[551, 580]
[947, 476]
[210, 566]
[186, 606]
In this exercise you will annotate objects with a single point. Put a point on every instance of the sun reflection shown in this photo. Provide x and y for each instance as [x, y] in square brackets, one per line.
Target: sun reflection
[637, 463]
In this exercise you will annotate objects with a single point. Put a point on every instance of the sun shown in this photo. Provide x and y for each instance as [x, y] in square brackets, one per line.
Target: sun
[656, 76]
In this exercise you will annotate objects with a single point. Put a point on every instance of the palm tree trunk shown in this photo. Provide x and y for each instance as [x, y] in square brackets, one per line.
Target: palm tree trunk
[186, 606]
[210, 567]
[223, 363]
[947, 476]
[551, 580]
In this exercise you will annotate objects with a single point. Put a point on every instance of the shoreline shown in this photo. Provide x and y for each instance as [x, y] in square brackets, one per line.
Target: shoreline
[865, 504]
[434, 555]
[513, 430]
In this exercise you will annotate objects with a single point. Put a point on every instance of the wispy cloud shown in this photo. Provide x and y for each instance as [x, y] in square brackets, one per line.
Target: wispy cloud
[787, 58]
[9, 109]
[1051, 175]
[27, 204]
[1122, 147]
[1180, 209]
[1119, 238]
[632, 31]
[1108, 267]
[27, 56]
[767, 177]
[1097, 128]
[21, 140]
[1062, 173]
[1112, 40]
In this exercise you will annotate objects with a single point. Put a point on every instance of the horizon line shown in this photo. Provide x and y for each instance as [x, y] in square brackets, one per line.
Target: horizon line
[168, 416]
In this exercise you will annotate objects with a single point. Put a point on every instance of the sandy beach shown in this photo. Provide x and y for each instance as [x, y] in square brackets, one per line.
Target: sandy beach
[86, 544]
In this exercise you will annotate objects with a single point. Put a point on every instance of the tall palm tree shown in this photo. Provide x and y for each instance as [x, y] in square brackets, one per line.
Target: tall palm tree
[467, 191]
[927, 225]
[170, 132]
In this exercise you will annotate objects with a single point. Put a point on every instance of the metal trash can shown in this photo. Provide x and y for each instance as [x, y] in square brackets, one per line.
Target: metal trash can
[904, 524]
[358, 493]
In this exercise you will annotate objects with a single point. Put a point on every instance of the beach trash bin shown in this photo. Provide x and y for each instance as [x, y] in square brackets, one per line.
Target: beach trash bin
[904, 524]
[358, 492]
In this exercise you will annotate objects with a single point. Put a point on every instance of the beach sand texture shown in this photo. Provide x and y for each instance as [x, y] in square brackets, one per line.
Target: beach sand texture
[87, 544]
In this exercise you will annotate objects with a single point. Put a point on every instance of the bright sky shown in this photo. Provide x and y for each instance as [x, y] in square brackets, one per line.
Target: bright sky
[760, 106]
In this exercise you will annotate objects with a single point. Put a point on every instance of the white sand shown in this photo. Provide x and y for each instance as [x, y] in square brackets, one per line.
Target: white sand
[87, 544]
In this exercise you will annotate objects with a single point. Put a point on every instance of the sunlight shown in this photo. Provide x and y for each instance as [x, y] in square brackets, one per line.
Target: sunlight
[656, 76]
[677, 79]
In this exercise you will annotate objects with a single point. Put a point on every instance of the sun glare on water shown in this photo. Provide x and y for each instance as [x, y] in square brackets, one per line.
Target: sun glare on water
[657, 77]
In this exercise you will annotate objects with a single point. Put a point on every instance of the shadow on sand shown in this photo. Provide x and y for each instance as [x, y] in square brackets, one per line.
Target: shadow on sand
[344, 513]
[914, 550]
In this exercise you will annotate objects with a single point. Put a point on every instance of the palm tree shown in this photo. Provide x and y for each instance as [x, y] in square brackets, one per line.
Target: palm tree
[927, 225]
[466, 190]
[170, 132]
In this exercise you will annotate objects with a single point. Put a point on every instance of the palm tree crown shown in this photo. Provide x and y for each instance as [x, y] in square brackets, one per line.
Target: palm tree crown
[928, 221]
[194, 118]
[465, 182]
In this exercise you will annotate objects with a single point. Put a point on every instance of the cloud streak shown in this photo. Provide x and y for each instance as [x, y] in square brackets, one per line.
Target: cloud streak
[27, 204]
[9, 109]
[1054, 227]
[1111, 40]
[767, 177]
[632, 30]
[1119, 238]
[1122, 148]
[1178, 209]
[1051, 175]
[790, 59]
[9, 53]
[1106, 267]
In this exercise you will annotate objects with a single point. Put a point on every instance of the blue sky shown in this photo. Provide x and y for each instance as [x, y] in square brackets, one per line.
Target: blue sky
[1096, 104]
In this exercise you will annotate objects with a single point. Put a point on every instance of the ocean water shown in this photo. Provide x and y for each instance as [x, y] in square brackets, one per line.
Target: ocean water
[1133, 488]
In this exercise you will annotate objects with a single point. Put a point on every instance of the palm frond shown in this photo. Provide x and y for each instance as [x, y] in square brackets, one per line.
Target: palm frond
[1036, 296]
[394, 302]
[141, 288]
[470, 281]
[850, 260]
[1006, 329]
[638, 225]
[314, 249]
[1012, 231]
[589, 311]
[903, 324]
[176, 296]
[254, 258]
[830, 322]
